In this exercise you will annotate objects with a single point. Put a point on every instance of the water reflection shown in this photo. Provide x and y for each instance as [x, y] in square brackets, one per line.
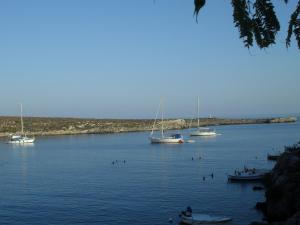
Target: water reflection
[22, 145]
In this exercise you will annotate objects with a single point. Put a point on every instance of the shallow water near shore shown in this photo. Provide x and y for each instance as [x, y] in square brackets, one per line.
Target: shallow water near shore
[72, 180]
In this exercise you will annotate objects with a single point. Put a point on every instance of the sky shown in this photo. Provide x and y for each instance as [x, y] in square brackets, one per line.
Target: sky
[116, 59]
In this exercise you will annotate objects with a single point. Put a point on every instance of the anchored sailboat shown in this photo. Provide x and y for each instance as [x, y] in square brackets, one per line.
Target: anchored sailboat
[20, 138]
[202, 131]
[172, 139]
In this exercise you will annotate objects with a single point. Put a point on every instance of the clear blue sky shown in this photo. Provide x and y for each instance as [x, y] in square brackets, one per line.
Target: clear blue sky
[115, 59]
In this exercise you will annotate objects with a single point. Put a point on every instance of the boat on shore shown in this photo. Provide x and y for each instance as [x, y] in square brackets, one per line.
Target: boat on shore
[20, 138]
[164, 139]
[187, 217]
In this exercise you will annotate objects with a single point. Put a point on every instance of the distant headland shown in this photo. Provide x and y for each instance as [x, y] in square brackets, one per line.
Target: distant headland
[42, 126]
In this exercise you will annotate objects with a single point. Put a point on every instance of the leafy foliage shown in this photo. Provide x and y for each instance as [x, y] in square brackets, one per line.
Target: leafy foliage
[294, 27]
[257, 19]
[265, 23]
[243, 21]
[198, 5]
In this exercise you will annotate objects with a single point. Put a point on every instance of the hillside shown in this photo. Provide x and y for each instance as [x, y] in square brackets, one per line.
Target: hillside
[64, 126]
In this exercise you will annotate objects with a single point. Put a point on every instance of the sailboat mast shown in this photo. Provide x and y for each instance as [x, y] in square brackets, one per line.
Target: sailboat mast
[22, 126]
[198, 112]
[162, 118]
[157, 111]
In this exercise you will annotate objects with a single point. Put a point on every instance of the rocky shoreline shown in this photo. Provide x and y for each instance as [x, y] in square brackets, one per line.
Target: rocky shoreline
[41, 126]
[282, 205]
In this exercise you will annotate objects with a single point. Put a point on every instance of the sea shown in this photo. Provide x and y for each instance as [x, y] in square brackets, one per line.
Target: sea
[122, 179]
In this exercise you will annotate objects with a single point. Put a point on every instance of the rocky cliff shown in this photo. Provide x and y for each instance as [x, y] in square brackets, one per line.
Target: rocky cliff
[282, 205]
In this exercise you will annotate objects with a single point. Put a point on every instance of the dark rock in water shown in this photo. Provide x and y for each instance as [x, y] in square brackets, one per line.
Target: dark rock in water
[283, 195]
[257, 188]
[262, 206]
[294, 220]
[282, 206]
[258, 223]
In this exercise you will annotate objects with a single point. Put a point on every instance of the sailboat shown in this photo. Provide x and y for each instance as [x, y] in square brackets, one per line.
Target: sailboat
[171, 139]
[20, 138]
[202, 131]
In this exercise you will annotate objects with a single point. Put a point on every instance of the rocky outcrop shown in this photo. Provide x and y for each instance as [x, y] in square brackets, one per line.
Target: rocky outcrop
[282, 205]
[67, 126]
[293, 220]
[173, 124]
[290, 119]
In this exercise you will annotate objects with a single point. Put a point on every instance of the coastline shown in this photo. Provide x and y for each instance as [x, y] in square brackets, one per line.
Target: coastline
[282, 206]
[48, 126]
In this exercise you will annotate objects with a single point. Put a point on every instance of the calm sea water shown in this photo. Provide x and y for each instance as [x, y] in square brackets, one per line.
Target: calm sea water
[71, 179]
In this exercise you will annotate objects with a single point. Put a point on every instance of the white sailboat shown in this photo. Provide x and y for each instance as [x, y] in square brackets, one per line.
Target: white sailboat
[202, 131]
[20, 138]
[171, 139]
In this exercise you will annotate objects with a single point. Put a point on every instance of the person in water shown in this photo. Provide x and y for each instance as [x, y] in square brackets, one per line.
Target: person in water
[188, 211]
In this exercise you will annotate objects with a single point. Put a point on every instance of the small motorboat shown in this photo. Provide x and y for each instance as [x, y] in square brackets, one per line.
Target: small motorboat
[245, 177]
[187, 217]
[273, 157]
[248, 175]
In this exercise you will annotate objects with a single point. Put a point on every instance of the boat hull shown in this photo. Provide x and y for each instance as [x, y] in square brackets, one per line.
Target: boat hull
[22, 140]
[203, 219]
[273, 157]
[246, 177]
[166, 140]
[201, 133]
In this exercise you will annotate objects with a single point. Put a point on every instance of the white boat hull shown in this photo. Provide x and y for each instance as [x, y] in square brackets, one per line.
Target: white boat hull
[166, 140]
[249, 175]
[203, 133]
[245, 177]
[22, 140]
[203, 219]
